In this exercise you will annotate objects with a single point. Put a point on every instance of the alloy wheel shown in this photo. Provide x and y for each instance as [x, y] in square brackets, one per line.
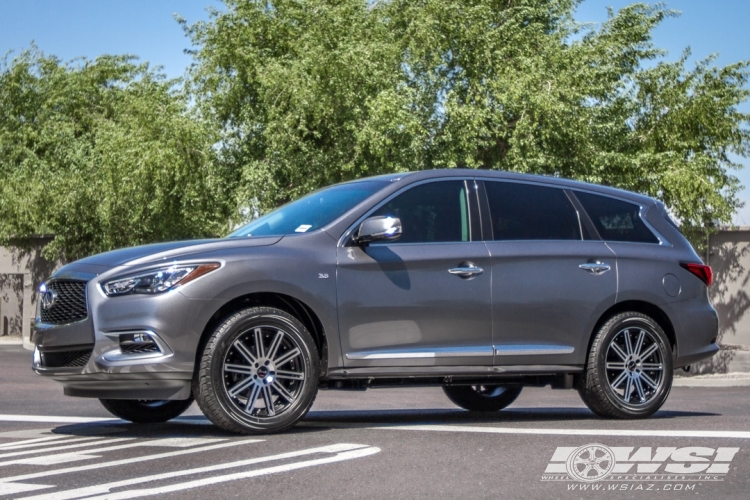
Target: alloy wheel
[264, 372]
[634, 366]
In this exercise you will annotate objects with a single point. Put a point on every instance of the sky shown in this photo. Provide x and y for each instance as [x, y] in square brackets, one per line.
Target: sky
[147, 29]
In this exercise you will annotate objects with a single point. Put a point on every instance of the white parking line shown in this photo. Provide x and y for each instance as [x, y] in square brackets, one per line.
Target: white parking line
[58, 448]
[567, 432]
[342, 452]
[11, 484]
[60, 458]
[45, 441]
[54, 420]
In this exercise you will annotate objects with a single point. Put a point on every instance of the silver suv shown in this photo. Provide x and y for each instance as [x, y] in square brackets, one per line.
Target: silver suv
[479, 282]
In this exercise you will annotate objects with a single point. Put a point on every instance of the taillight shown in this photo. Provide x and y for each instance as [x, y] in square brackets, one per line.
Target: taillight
[702, 271]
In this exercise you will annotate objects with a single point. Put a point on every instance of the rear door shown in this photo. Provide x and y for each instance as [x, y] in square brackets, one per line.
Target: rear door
[399, 303]
[550, 281]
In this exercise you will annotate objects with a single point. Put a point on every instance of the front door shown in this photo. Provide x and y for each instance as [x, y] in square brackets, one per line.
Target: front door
[407, 303]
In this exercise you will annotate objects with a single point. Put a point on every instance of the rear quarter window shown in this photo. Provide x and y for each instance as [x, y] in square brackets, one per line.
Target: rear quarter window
[616, 220]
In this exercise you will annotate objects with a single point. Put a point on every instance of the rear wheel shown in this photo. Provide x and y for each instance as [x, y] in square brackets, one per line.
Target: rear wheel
[629, 368]
[258, 372]
[482, 397]
[146, 411]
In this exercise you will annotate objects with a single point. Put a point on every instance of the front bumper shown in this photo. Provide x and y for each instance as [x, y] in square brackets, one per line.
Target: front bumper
[87, 358]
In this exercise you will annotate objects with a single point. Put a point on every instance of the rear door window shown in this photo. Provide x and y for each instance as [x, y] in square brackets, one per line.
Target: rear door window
[530, 212]
[616, 220]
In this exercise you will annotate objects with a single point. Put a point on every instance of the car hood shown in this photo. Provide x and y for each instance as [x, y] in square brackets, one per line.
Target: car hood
[144, 254]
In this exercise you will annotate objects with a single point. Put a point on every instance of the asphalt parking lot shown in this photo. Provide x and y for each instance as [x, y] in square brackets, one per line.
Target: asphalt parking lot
[401, 443]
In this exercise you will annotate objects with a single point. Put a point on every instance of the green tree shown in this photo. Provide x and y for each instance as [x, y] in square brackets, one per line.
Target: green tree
[309, 92]
[102, 154]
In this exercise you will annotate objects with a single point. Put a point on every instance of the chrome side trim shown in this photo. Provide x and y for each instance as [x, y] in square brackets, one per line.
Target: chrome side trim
[440, 352]
[531, 350]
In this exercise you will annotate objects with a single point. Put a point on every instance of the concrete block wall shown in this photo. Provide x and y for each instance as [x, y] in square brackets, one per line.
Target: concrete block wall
[21, 271]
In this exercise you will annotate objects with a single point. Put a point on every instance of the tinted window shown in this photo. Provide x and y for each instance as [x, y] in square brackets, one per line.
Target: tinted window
[433, 212]
[616, 220]
[529, 212]
[312, 211]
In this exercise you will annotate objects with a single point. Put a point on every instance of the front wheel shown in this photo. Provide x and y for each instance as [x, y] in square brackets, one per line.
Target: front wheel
[146, 411]
[258, 372]
[629, 368]
[482, 397]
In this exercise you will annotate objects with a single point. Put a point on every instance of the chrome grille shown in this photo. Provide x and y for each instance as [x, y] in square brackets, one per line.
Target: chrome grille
[70, 304]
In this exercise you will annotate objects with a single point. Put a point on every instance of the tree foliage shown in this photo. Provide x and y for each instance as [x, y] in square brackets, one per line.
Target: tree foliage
[102, 154]
[286, 96]
[309, 92]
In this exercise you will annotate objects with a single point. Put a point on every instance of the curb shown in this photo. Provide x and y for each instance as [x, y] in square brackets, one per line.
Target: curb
[719, 380]
[11, 341]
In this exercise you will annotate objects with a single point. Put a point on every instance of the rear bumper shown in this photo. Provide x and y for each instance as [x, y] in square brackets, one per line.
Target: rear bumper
[696, 326]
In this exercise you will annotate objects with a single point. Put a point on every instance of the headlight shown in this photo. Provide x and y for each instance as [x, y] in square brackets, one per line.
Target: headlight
[157, 280]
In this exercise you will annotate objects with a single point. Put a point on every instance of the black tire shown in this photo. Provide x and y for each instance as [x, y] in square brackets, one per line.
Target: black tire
[146, 411]
[233, 371]
[482, 397]
[620, 352]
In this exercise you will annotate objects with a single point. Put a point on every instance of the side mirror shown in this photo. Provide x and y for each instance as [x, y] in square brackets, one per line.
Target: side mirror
[381, 228]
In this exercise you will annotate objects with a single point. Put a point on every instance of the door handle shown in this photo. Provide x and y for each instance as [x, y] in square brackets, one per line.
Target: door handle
[595, 268]
[466, 271]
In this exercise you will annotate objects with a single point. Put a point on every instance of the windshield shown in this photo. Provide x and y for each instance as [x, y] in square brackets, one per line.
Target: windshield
[312, 211]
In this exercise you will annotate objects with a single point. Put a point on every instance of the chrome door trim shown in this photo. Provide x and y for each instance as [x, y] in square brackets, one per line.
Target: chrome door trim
[531, 349]
[439, 352]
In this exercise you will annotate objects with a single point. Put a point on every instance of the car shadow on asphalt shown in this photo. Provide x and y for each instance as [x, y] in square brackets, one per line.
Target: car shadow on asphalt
[451, 416]
[317, 421]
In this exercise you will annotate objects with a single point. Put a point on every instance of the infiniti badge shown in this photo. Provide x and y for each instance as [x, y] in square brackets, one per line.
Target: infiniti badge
[49, 298]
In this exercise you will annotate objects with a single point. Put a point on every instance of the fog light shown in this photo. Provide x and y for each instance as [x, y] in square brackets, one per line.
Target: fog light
[137, 343]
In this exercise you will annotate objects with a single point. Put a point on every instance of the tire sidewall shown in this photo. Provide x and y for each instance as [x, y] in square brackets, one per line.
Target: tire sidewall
[225, 337]
[634, 320]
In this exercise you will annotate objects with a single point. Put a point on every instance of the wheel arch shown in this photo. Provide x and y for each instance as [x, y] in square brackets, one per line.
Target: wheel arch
[643, 307]
[297, 308]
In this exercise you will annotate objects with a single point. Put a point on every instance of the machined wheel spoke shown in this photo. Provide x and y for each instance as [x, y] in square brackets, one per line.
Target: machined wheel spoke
[259, 343]
[283, 392]
[649, 381]
[289, 375]
[648, 352]
[286, 357]
[652, 366]
[639, 389]
[244, 351]
[275, 344]
[615, 365]
[639, 342]
[254, 393]
[628, 343]
[268, 400]
[628, 389]
[622, 376]
[242, 369]
[239, 386]
[618, 350]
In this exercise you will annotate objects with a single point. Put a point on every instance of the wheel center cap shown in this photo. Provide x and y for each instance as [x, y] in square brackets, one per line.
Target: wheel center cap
[631, 365]
[262, 372]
